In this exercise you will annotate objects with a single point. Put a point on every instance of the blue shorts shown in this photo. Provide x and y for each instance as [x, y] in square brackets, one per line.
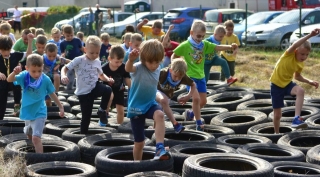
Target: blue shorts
[278, 93]
[138, 122]
[200, 84]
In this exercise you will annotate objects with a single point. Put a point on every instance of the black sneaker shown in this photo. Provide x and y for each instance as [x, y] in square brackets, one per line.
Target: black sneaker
[103, 117]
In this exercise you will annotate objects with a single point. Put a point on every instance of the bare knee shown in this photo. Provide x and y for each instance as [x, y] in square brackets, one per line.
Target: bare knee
[158, 116]
[300, 91]
[203, 102]
[277, 114]
[56, 77]
[164, 102]
[138, 145]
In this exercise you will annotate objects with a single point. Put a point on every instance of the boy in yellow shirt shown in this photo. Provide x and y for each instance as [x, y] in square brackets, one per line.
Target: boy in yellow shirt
[291, 64]
[153, 32]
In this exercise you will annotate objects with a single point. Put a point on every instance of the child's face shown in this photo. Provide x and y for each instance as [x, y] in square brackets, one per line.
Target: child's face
[115, 62]
[105, 42]
[127, 42]
[229, 31]
[56, 37]
[5, 53]
[51, 55]
[198, 35]
[176, 76]
[152, 66]
[92, 51]
[156, 31]
[302, 54]
[135, 44]
[68, 37]
[4, 32]
[218, 36]
[34, 71]
[40, 48]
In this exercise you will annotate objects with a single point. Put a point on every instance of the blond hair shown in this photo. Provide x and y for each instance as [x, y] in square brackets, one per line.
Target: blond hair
[178, 65]
[80, 35]
[151, 51]
[306, 45]
[116, 52]
[127, 36]
[229, 23]
[93, 40]
[35, 60]
[67, 29]
[55, 30]
[41, 39]
[39, 31]
[219, 30]
[51, 47]
[157, 24]
[105, 37]
[136, 37]
[5, 27]
[198, 25]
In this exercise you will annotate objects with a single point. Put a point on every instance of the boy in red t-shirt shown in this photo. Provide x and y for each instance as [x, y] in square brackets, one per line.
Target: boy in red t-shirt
[169, 46]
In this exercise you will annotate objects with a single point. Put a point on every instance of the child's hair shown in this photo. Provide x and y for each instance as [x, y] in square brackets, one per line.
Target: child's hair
[229, 23]
[116, 52]
[5, 26]
[5, 43]
[136, 37]
[105, 37]
[33, 30]
[39, 31]
[178, 65]
[306, 45]
[51, 47]
[41, 39]
[93, 40]
[55, 30]
[127, 37]
[157, 24]
[67, 29]
[80, 35]
[219, 30]
[35, 60]
[198, 25]
[151, 51]
[130, 28]
[26, 31]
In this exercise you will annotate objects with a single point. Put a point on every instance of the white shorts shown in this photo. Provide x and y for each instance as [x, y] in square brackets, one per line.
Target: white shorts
[34, 127]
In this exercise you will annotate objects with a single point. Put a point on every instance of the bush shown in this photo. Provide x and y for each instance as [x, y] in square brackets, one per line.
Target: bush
[63, 10]
[32, 20]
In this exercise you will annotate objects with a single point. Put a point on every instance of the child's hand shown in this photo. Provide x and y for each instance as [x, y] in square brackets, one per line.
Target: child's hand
[64, 79]
[110, 80]
[234, 46]
[30, 36]
[17, 70]
[3, 77]
[315, 32]
[61, 112]
[171, 27]
[314, 83]
[134, 54]
[145, 21]
[182, 100]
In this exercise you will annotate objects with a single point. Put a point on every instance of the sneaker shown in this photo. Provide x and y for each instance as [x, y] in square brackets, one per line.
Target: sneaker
[161, 154]
[178, 128]
[232, 80]
[187, 115]
[101, 124]
[103, 117]
[16, 111]
[298, 122]
[199, 128]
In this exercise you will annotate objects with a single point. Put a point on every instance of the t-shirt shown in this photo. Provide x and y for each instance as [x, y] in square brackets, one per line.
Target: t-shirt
[54, 69]
[36, 52]
[87, 73]
[210, 56]
[11, 36]
[285, 67]
[228, 40]
[169, 51]
[164, 85]
[72, 49]
[147, 33]
[126, 57]
[17, 15]
[118, 76]
[14, 59]
[104, 53]
[33, 100]
[57, 43]
[96, 14]
[20, 46]
[142, 94]
[124, 47]
[194, 57]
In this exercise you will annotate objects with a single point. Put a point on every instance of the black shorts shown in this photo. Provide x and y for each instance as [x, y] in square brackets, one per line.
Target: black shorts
[118, 98]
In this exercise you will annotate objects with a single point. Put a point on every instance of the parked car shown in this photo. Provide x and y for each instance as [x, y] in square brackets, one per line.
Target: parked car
[86, 9]
[117, 29]
[278, 31]
[215, 17]
[182, 19]
[315, 40]
[255, 19]
[76, 19]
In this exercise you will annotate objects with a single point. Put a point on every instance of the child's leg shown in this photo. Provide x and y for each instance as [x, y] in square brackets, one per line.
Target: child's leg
[138, 150]
[86, 104]
[232, 65]
[3, 98]
[106, 92]
[37, 126]
[299, 92]
[118, 100]
[224, 65]
[207, 68]
[276, 119]
[120, 113]
[159, 131]
[56, 82]
[137, 126]
[17, 98]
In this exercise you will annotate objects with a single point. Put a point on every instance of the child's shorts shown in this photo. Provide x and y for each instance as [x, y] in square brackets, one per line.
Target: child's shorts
[200, 84]
[34, 127]
[138, 123]
[278, 93]
[118, 98]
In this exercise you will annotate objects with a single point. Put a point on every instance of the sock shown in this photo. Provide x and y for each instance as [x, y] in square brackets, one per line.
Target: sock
[297, 116]
[175, 123]
[191, 114]
[159, 145]
[199, 122]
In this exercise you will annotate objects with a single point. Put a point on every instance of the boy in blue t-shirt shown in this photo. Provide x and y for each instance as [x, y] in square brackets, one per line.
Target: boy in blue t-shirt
[134, 43]
[105, 47]
[35, 86]
[56, 34]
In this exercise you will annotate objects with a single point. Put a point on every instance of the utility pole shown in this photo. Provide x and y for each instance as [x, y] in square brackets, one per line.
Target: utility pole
[37, 3]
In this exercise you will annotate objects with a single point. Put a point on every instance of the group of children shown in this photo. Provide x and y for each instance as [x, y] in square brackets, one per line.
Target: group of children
[152, 67]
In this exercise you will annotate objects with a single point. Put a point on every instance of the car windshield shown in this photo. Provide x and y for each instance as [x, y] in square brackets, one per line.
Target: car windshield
[134, 17]
[288, 17]
[255, 19]
[211, 16]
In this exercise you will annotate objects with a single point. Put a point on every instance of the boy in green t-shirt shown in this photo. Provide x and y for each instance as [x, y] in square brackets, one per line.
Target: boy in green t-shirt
[193, 51]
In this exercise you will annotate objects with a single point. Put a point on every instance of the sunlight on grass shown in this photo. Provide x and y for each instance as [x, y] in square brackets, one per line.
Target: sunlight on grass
[14, 167]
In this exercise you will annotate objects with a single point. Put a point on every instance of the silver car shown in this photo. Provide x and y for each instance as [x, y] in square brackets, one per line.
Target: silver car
[117, 29]
[278, 31]
[315, 40]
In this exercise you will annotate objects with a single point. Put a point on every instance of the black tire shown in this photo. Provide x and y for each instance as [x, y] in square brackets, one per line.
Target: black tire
[272, 152]
[226, 165]
[314, 122]
[295, 169]
[208, 113]
[91, 145]
[229, 100]
[236, 141]
[209, 93]
[216, 131]
[267, 130]
[76, 108]
[301, 140]
[73, 134]
[51, 116]
[181, 119]
[182, 151]
[55, 108]
[95, 116]
[57, 127]
[288, 113]
[11, 126]
[180, 108]
[214, 75]
[66, 93]
[153, 174]
[118, 162]
[7, 139]
[73, 100]
[10, 103]
[113, 122]
[60, 168]
[261, 93]
[315, 102]
[52, 151]
[239, 121]
[313, 155]
[217, 85]
[62, 98]
[262, 105]
[181, 89]
[186, 137]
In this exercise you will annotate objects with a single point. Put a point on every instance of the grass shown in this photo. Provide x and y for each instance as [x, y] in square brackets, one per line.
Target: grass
[14, 167]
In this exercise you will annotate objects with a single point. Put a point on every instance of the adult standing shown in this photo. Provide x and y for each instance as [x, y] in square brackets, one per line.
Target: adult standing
[17, 19]
[90, 21]
[96, 18]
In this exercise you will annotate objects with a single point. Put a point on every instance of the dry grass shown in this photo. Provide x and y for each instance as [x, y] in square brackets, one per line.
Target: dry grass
[14, 167]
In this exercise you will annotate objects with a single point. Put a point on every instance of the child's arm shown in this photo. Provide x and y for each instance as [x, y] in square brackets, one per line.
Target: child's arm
[300, 78]
[30, 41]
[145, 21]
[54, 97]
[173, 56]
[167, 35]
[16, 71]
[182, 100]
[105, 78]
[132, 57]
[127, 81]
[299, 42]
[64, 77]
[233, 46]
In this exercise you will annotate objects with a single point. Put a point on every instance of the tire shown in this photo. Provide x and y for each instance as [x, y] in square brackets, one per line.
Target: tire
[76, 109]
[313, 155]
[51, 116]
[94, 115]
[111, 162]
[208, 113]
[73, 100]
[236, 141]
[288, 113]
[11, 126]
[55, 108]
[153, 174]
[295, 169]
[239, 121]
[314, 122]
[261, 93]
[229, 100]
[66, 93]
[181, 89]
[216, 131]
[267, 130]
[182, 151]
[226, 165]
[262, 105]
[186, 137]
[57, 127]
[91, 145]
[180, 108]
[7, 139]
[113, 122]
[272, 152]
[62, 98]
[285, 42]
[214, 75]
[73, 134]
[10, 103]
[209, 93]
[301, 140]
[217, 85]
[315, 102]
[60, 168]
[53, 151]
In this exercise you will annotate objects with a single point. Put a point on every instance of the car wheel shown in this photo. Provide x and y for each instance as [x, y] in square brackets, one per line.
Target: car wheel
[284, 43]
